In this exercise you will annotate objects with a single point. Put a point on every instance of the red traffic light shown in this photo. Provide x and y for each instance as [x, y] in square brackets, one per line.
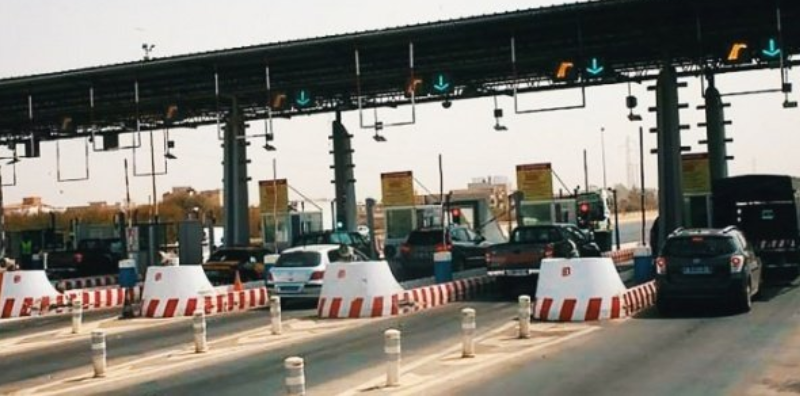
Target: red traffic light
[584, 208]
[456, 212]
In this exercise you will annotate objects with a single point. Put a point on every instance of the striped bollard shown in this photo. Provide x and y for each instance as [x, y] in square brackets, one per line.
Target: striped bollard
[524, 317]
[468, 332]
[295, 376]
[200, 332]
[275, 315]
[99, 353]
[392, 350]
[77, 316]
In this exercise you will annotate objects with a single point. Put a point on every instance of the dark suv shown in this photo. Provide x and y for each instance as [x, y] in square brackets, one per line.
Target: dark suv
[707, 263]
[468, 250]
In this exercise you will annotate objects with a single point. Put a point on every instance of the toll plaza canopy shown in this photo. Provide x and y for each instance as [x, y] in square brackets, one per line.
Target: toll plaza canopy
[575, 45]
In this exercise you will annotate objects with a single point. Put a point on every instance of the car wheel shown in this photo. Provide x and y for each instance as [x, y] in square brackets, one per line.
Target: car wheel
[744, 301]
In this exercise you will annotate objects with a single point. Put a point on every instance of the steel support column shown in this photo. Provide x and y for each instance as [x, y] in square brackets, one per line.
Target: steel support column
[715, 127]
[237, 226]
[344, 179]
[670, 179]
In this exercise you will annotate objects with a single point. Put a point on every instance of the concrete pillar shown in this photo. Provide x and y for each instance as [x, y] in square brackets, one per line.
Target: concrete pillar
[715, 128]
[237, 227]
[670, 179]
[373, 246]
[344, 178]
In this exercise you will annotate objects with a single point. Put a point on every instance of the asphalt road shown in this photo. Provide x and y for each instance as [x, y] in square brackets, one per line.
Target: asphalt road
[631, 231]
[41, 365]
[327, 360]
[703, 351]
[29, 326]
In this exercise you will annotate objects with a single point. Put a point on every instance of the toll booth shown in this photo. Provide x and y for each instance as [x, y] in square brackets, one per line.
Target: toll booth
[554, 211]
[697, 210]
[289, 226]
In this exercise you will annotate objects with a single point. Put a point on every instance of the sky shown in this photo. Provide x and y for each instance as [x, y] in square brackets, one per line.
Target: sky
[40, 36]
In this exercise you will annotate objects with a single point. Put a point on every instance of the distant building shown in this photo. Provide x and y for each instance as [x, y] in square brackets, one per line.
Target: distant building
[96, 206]
[30, 206]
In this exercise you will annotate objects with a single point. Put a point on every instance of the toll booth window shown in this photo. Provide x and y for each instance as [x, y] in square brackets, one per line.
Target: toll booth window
[536, 213]
[399, 223]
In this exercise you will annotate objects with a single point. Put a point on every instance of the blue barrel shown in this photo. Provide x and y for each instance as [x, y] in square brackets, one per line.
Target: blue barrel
[128, 276]
[643, 269]
[443, 267]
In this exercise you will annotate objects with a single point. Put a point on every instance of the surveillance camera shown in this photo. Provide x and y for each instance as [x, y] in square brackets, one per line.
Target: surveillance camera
[447, 104]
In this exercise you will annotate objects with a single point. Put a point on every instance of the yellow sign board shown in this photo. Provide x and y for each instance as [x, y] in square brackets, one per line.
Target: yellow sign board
[267, 193]
[696, 174]
[535, 181]
[398, 189]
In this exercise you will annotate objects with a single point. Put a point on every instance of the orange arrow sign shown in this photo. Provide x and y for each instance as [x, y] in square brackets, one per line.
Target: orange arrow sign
[563, 70]
[736, 52]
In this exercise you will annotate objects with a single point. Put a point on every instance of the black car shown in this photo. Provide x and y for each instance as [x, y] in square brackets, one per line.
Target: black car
[468, 249]
[707, 264]
[352, 239]
[222, 266]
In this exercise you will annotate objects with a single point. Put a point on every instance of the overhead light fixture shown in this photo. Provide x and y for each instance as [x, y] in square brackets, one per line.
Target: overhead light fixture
[379, 138]
[789, 104]
[634, 117]
[632, 102]
[498, 115]
[269, 147]
[447, 104]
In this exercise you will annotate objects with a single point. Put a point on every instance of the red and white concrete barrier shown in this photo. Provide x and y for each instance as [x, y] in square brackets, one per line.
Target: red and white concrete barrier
[587, 289]
[21, 291]
[88, 282]
[620, 257]
[640, 298]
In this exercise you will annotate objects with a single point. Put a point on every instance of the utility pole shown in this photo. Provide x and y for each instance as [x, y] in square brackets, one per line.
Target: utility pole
[585, 171]
[603, 149]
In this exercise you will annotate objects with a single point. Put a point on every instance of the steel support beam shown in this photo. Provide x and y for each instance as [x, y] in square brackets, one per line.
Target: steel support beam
[715, 129]
[670, 179]
[344, 179]
[237, 226]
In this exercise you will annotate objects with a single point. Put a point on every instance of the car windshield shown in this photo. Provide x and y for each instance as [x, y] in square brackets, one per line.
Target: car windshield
[538, 235]
[232, 255]
[699, 246]
[298, 259]
[425, 238]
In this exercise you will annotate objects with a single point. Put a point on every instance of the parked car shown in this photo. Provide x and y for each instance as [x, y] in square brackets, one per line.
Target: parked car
[468, 249]
[707, 263]
[93, 257]
[352, 239]
[522, 256]
[223, 264]
[299, 272]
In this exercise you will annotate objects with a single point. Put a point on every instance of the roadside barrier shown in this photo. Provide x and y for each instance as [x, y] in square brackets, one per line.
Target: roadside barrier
[86, 283]
[21, 293]
[587, 289]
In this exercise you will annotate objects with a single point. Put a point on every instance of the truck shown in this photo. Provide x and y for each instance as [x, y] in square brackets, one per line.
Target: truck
[765, 208]
[519, 260]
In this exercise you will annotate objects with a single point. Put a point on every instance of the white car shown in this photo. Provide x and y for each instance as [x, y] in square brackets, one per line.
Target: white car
[299, 271]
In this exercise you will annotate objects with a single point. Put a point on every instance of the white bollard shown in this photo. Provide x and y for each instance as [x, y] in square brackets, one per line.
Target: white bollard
[77, 316]
[392, 350]
[468, 332]
[99, 353]
[200, 332]
[524, 317]
[295, 376]
[275, 315]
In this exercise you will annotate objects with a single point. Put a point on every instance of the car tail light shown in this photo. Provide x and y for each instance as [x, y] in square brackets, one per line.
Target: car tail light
[405, 249]
[737, 264]
[661, 266]
[317, 275]
[442, 247]
[549, 251]
[78, 258]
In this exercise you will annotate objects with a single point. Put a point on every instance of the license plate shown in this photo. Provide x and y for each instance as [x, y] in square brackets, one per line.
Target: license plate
[288, 289]
[697, 270]
[517, 272]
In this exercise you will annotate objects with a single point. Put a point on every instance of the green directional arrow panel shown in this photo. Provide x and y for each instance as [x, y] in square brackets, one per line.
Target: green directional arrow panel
[442, 83]
[595, 68]
[303, 98]
[771, 49]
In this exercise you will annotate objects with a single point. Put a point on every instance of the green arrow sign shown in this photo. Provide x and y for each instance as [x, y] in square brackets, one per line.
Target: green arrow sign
[442, 84]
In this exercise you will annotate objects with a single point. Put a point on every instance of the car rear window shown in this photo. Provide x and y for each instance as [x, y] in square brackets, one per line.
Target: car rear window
[699, 246]
[298, 259]
[425, 238]
[230, 255]
[538, 235]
